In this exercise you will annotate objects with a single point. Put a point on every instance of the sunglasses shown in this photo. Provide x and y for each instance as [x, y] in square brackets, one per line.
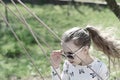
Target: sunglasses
[71, 55]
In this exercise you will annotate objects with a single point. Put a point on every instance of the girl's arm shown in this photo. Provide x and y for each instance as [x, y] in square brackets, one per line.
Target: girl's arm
[56, 73]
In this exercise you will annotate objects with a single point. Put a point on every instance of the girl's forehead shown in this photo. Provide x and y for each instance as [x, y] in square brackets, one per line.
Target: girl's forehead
[69, 46]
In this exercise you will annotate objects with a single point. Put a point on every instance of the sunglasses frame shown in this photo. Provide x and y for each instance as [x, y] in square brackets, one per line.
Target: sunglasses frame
[71, 55]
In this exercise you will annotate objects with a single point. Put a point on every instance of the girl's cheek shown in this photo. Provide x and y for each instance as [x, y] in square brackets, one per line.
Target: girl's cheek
[77, 60]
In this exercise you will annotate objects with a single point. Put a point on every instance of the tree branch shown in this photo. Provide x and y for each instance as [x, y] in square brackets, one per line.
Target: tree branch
[114, 7]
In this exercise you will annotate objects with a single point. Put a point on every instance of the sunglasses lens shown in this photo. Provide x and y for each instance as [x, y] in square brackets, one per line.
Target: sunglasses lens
[70, 57]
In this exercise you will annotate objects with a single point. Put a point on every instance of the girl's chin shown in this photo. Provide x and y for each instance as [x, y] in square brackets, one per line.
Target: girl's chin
[73, 63]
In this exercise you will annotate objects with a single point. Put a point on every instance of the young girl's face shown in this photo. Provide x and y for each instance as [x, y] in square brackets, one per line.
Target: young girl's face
[73, 53]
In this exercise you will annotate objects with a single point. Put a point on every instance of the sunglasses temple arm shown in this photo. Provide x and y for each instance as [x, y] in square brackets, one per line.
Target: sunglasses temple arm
[63, 55]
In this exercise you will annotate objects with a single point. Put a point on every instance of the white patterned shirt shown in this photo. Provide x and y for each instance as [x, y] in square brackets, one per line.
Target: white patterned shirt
[97, 70]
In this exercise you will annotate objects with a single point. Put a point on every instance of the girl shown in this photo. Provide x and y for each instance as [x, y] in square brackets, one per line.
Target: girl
[79, 64]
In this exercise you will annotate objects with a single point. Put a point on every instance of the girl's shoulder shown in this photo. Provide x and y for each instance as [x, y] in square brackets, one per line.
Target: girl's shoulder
[98, 64]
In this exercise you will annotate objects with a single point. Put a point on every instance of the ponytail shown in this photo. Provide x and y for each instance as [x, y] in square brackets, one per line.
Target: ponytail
[109, 47]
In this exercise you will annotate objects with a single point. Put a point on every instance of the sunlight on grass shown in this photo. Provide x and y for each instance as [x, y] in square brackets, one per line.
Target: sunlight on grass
[56, 18]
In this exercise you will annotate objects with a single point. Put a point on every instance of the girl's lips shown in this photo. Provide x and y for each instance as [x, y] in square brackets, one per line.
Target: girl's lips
[71, 61]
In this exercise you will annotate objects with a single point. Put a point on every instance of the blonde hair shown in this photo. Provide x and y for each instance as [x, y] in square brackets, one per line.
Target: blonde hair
[83, 37]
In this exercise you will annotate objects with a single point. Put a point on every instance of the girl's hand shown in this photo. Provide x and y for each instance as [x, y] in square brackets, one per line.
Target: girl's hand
[56, 58]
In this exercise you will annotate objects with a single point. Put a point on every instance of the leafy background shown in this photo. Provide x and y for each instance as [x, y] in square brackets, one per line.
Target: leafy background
[13, 59]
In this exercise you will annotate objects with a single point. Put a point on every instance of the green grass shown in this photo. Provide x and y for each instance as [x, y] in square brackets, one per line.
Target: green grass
[56, 18]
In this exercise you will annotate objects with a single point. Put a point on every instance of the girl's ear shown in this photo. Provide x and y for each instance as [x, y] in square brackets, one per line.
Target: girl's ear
[86, 49]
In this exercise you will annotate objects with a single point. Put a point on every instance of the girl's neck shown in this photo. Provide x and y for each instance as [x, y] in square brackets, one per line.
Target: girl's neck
[87, 61]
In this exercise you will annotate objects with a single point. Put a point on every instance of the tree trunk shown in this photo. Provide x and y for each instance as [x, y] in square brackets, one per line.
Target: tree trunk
[32, 3]
[114, 7]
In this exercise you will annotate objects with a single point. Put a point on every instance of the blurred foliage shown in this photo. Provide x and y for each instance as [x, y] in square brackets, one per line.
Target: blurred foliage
[30, 1]
[13, 59]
